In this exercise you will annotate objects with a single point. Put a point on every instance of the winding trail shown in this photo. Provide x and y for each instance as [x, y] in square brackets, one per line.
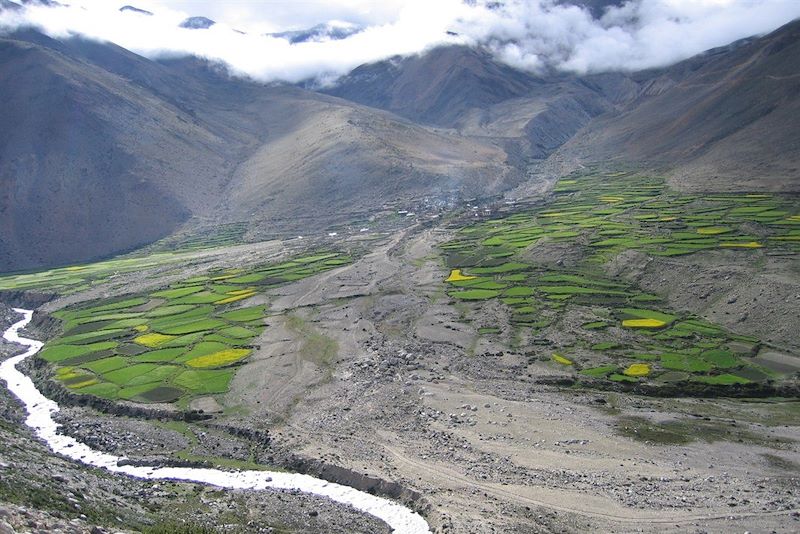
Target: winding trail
[41, 409]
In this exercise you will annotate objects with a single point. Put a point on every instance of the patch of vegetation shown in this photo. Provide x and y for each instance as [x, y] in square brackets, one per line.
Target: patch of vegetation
[316, 347]
[641, 429]
[176, 527]
[488, 330]
[152, 340]
[637, 369]
[57, 353]
[558, 358]
[721, 380]
[188, 341]
[781, 464]
[475, 294]
[456, 276]
[68, 280]
[602, 371]
[616, 377]
[218, 359]
[244, 315]
[601, 215]
[204, 382]
[683, 431]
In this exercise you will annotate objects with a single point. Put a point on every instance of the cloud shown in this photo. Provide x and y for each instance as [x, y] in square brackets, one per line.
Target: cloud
[417, 26]
[530, 35]
[274, 16]
[636, 35]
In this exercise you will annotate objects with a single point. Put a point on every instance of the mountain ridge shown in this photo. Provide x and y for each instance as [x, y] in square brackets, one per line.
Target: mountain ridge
[717, 121]
[123, 150]
[173, 135]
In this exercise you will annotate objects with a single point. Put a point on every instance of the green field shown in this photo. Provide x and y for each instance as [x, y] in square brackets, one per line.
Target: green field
[634, 336]
[217, 235]
[67, 280]
[173, 343]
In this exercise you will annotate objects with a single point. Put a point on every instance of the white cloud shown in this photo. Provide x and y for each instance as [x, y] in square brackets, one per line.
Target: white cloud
[529, 34]
[278, 15]
[639, 34]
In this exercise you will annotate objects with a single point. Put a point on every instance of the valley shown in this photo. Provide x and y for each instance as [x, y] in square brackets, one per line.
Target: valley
[530, 268]
[509, 358]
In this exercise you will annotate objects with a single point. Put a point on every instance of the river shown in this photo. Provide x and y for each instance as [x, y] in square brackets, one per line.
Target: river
[40, 418]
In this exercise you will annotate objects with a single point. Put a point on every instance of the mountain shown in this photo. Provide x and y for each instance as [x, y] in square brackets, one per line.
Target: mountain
[326, 157]
[73, 166]
[45, 3]
[197, 23]
[437, 88]
[110, 151]
[721, 119]
[320, 32]
[467, 89]
[133, 9]
[595, 7]
[727, 119]
[9, 5]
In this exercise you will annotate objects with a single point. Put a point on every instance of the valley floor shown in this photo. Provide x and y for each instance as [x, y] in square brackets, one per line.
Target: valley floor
[489, 448]
[369, 367]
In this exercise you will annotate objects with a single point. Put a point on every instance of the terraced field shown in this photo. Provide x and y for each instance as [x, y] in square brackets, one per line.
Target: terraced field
[619, 211]
[218, 235]
[627, 335]
[72, 279]
[171, 250]
[175, 343]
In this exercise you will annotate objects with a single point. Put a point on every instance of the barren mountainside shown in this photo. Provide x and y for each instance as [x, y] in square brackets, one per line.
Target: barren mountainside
[121, 150]
[727, 120]
[106, 150]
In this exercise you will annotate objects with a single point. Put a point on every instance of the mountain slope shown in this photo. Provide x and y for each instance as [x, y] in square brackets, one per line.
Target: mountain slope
[729, 119]
[71, 188]
[8, 4]
[436, 87]
[319, 33]
[467, 89]
[109, 151]
[102, 150]
[329, 157]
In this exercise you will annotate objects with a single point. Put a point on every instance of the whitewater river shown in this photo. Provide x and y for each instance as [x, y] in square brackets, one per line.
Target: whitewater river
[40, 419]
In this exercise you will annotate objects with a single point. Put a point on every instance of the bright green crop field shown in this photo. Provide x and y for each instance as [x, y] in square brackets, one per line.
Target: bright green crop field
[174, 343]
[67, 280]
[634, 336]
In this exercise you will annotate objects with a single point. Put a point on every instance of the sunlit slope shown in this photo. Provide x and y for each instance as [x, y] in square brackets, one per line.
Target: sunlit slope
[326, 157]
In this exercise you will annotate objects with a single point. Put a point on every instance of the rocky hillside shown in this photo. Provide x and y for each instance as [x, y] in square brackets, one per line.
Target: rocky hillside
[119, 150]
[726, 120]
[467, 89]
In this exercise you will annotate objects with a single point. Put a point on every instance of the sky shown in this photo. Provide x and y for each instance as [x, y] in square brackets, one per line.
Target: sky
[532, 35]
